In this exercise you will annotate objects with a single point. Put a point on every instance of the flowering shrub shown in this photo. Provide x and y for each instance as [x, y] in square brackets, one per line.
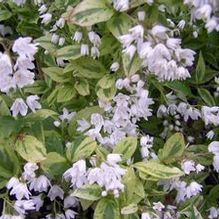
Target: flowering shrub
[109, 109]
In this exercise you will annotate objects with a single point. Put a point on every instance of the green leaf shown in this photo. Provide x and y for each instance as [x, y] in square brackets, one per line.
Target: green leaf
[200, 69]
[39, 87]
[134, 189]
[88, 192]
[106, 94]
[5, 14]
[56, 74]
[136, 3]
[40, 115]
[107, 209]
[107, 81]
[69, 52]
[131, 66]
[173, 149]
[206, 97]
[4, 110]
[88, 68]
[90, 12]
[30, 149]
[179, 86]
[119, 24]
[126, 147]
[158, 170]
[9, 164]
[65, 93]
[200, 154]
[85, 149]
[82, 87]
[54, 164]
[130, 209]
[9, 126]
[45, 42]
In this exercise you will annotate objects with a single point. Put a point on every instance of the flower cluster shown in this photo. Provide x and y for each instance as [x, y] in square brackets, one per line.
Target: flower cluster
[20, 74]
[204, 10]
[108, 175]
[161, 53]
[121, 115]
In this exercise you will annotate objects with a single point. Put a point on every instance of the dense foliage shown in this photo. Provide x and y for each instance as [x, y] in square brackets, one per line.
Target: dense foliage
[109, 109]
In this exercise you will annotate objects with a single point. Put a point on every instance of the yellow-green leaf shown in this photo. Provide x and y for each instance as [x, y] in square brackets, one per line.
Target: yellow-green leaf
[89, 12]
[30, 149]
[158, 170]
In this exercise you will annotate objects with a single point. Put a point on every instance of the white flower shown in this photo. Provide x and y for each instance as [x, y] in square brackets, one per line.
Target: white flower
[193, 189]
[29, 171]
[70, 214]
[145, 216]
[60, 23]
[60, 62]
[70, 201]
[97, 121]
[40, 184]
[210, 135]
[24, 47]
[126, 40]
[130, 51]
[19, 2]
[83, 125]
[113, 158]
[173, 43]
[55, 191]
[214, 213]
[46, 18]
[141, 15]
[107, 176]
[95, 53]
[158, 206]
[23, 78]
[204, 12]
[135, 78]
[84, 49]
[57, 123]
[33, 103]
[210, 115]
[23, 63]
[38, 202]
[121, 5]
[19, 106]
[76, 174]
[146, 141]
[159, 31]
[137, 31]
[211, 24]
[94, 38]
[67, 116]
[181, 24]
[188, 166]
[61, 41]
[21, 191]
[12, 183]
[144, 152]
[77, 36]
[5, 65]
[55, 38]
[216, 162]
[114, 67]
[42, 9]
[21, 206]
[199, 168]
[213, 147]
